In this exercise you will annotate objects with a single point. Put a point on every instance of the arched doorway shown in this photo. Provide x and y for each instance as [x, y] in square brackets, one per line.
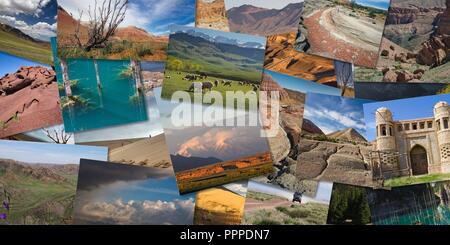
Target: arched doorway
[419, 160]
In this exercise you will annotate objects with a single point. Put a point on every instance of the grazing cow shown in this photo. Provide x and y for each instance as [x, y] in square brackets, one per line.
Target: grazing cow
[201, 85]
[207, 85]
[228, 83]
[168, 77]
[255, 87]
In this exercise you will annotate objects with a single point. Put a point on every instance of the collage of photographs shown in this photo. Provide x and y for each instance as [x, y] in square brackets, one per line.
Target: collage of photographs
[225, 112]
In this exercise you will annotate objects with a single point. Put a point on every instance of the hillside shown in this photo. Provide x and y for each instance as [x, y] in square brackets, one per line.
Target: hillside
[219, 59]
[15, 42]
[309, 127]
[127, 42]
[261, 21]
[40, 193]
[348, 134]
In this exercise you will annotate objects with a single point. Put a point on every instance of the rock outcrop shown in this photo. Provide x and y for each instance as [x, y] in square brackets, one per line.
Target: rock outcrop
[308, 127]
[281, 56]
[211, 14]
[24, 77]
[436, 50]
[343, 163]
[28, 100]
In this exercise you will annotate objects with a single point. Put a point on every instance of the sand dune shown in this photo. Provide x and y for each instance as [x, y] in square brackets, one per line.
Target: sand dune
[150, 152]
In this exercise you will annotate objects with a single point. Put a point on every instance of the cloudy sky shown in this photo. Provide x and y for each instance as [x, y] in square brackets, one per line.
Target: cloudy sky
[403, 109]
[31, 152]
[269, 4]
[36, 18]
[333, 113]
[123, 194]
[154, 16]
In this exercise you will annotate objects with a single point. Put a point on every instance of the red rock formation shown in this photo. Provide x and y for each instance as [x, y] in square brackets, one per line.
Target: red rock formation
[281, 56]
[28, 100]
[211, 14]
[268, 84]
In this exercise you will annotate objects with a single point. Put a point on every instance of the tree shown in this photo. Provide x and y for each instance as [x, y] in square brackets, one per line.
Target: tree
[59, 138]
[65, 76]
[344, 75]
[103, 22]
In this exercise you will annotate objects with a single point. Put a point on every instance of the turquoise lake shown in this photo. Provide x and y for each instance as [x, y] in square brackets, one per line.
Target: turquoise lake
[431, 216]
[116, 103]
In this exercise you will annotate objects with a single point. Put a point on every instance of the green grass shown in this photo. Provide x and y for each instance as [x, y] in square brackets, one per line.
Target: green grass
[176, 83]
[11, 44]
[35, 199]
[296, 214]
[402, 181]
[260, 196]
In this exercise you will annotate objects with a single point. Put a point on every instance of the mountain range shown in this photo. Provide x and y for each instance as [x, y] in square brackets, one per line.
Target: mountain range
[182, 163]
[225, 40]
[218, 59]
[347, 134]
[262, 21]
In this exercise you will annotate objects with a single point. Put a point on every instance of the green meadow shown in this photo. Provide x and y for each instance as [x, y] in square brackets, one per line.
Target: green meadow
[9, 43]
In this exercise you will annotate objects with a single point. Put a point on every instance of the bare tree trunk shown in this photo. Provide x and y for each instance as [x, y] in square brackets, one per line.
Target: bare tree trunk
[344, 75]
[136, 68]
[97, 75]
[65, 75]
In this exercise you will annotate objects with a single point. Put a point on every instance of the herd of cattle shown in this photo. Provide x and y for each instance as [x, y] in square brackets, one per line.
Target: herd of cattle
[208, 85]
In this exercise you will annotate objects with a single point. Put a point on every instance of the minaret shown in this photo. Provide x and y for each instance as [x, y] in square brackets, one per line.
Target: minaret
[441, 118]
[385, 130]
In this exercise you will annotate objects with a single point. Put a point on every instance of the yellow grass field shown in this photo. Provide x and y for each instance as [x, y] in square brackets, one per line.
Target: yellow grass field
[218, 206]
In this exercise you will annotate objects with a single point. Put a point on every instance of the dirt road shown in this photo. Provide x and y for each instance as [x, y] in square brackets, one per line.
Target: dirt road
[252, 204]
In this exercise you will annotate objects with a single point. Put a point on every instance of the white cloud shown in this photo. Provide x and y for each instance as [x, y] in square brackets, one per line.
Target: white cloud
[222, 143]
[41, 30]
[345, 119]
[178, 212]
[22, 6]
[136, 14]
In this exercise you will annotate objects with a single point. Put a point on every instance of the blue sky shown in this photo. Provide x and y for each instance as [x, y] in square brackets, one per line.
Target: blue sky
[380, 4]
[155, 16]
[163, 189]
[404, 109]
[302, 85]
[31, 152]
[242, 38]
[268, 4]
[11, 63]
[333, 113]
[35, 18]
